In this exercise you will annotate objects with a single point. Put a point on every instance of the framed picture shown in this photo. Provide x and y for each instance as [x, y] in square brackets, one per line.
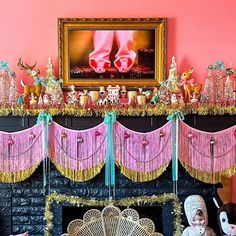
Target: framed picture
[103, 51]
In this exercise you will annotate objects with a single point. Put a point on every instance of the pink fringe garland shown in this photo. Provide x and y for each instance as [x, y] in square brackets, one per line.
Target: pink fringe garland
[143, 152]
[194, 148]
[22, 150]
[77, 149]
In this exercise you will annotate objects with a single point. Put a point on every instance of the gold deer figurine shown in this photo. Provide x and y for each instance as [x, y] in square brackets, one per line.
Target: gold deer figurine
[29, 89]
[189, 87]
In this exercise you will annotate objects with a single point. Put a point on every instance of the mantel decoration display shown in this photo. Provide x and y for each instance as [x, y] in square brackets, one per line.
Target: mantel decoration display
[182, 92]
[124, 51]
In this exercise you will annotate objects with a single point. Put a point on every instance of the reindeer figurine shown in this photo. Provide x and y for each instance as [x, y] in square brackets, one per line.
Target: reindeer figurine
[29, 89]
[190, 87]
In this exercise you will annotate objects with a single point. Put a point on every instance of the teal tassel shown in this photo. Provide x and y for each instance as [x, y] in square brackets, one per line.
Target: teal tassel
[109, 119]
[175, 117]
[46, 119]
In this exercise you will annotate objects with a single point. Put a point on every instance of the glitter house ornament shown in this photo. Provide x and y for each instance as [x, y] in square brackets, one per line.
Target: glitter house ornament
[113, 94]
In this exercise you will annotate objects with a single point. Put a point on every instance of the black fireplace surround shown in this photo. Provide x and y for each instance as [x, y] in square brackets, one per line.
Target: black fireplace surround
[22, 204]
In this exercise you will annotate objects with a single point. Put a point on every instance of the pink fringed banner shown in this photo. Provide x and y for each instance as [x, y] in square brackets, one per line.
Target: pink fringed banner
[20, 153]
[78, 154]
[207, 156]
[143, 156]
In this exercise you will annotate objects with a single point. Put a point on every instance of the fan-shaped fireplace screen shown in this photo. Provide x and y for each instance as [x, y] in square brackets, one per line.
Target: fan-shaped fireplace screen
[112, 221]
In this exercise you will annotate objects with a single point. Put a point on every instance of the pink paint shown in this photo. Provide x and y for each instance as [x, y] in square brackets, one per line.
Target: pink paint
[199, 32]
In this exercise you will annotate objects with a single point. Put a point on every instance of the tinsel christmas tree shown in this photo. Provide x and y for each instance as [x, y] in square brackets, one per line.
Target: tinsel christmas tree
[229, 91]
[219, 68]
[53, 87]
[208, 91]
[12, 91]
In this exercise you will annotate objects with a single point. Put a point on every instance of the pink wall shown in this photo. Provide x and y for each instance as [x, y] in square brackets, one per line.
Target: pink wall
[199, 32]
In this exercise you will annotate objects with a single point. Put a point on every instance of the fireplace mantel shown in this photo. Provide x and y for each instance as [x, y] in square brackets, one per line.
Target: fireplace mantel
[22, 204]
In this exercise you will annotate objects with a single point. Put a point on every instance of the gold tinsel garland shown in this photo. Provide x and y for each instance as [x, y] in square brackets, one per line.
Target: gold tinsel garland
[209, 177]
[126, 110]
[139, 176]
[14, 177]
[125, 202]
[79, 175]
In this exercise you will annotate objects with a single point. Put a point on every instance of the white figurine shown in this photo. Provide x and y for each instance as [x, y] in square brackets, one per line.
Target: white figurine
[196, 213]
[33, 100]
[46, 100]
[40, 101]
[174, 99]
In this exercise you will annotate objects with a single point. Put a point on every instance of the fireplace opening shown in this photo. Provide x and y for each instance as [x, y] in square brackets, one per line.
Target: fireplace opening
[154, 213]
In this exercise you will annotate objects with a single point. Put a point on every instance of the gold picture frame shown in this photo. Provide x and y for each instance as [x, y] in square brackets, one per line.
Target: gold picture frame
[103, 51]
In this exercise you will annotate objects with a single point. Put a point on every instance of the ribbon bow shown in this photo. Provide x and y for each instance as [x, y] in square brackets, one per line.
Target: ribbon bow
[219, 65]
[44, 118]
[54, 81]
[4, 64]
[109, 119]
[40, 80]
[176, 115]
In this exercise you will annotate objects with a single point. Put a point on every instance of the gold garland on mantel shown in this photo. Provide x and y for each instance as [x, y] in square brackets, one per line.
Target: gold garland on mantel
[126, 110]
[125, 202]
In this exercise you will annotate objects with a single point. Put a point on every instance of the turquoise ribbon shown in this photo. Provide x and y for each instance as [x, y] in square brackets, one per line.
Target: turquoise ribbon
[173, 117]
[46, 119]
[40, 80]
[109, 119]
[219, 65]
[4, 64]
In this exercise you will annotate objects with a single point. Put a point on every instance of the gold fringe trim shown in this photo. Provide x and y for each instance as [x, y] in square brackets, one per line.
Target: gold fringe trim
[14, 177]
[208, 177]
[56, 198]
[139, 176]
[127, 110]
[79, 175]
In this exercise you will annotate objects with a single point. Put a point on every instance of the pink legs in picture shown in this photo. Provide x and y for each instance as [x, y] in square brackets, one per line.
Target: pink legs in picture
[103, 40]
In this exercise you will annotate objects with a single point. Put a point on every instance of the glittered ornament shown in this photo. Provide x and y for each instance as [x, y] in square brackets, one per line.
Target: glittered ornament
[212, 141]
[162, 134]
[31, 135]
[97, 133]
[126, 135]
[190, 135]
[63, 135]
[145, 142]
[80, 140]
[10, 141]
